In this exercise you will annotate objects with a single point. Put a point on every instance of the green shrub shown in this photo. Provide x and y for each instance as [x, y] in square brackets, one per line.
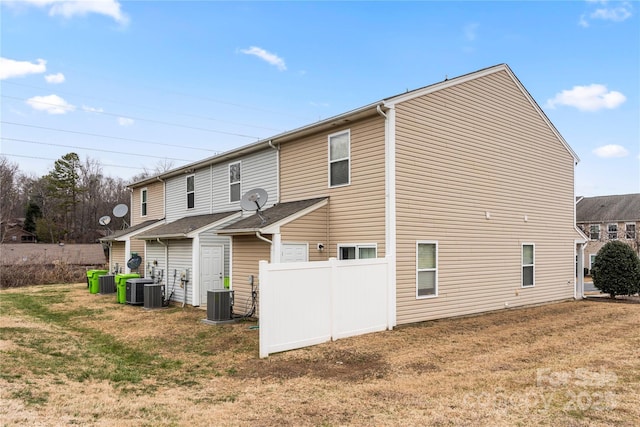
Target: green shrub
[616, 269]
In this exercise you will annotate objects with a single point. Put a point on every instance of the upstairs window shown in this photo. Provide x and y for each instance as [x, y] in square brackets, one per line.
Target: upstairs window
[339, 159]
[191, 191]
[528, 265]
[234, 182]
[612, 231]
[630, 231]
[594, 231]
[427, 269]
[143, 202]
[357, 251]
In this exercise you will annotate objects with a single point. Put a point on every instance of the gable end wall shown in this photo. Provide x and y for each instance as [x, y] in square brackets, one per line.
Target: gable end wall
[465, 151]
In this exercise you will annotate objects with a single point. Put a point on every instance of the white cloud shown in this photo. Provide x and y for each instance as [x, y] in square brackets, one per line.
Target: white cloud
[471, 31]
[619, 12]
[54, 78]
[269, 57]
[92, 109]
[11, 68]
[125, 121]
[588, 98]
[71, 8]
[610, 151]
[52, 104]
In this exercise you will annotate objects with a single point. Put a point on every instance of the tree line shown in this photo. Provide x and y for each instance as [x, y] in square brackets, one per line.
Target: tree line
[65, 204]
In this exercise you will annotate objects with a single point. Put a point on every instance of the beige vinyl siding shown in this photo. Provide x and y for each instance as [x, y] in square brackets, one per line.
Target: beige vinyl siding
[464, 151]
[312, 229]
[357, 210]
[155, 203]
[118, 257]
[247, 251]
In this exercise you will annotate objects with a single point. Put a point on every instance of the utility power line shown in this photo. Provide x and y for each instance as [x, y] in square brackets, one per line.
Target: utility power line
[167, 111]
[142, 119]
[107, 136]
[53, 160]
[92, 149]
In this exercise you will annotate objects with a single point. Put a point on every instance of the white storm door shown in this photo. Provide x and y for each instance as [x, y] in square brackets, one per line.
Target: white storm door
[211, 270]
[294, 252]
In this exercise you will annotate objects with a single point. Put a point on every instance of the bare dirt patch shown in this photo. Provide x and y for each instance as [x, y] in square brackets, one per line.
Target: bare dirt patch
[72, 358]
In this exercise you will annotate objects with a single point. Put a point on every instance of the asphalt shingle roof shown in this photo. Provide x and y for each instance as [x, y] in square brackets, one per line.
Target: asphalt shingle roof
[609, 208]
[130, 230]
[272, 215]
[184, 226]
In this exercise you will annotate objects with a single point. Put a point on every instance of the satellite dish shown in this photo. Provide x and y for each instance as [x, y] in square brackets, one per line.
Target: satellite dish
[104, 220]
[134, 262]
[254, 200]
[120, 210]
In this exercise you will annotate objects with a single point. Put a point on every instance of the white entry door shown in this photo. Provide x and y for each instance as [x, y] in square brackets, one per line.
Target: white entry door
[211, 270]
[294, 252]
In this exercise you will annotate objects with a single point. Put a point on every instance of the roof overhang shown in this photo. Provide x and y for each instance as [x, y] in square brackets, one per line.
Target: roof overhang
[192, 233]
[126, 236]
[275, 227]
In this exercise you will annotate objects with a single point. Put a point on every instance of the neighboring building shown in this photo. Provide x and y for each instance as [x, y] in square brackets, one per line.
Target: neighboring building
[84, 254]
[200, 199]
[14, 232]
[146, 212]
[465, 186]
[605, 218]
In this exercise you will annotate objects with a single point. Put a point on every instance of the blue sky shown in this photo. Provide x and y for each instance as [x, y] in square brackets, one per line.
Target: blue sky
[138, 84]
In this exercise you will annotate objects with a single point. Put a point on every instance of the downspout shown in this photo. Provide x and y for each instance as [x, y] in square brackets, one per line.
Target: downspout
[277, 170]
[390, 209]
[264, 239]
[164, 201]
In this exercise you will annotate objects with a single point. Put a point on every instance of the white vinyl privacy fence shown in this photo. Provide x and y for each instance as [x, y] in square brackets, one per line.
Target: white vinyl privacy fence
[307, 303]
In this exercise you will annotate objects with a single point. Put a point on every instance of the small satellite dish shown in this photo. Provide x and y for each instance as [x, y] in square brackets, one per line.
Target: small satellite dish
[120, 210]
[254, 200]
[104, 220]
[134, 262]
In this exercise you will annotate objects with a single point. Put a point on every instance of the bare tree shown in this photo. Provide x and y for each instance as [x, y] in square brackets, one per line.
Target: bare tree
[8, 192]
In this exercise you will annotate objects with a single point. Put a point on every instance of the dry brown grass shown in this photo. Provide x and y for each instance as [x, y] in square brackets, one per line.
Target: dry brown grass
[569, 364]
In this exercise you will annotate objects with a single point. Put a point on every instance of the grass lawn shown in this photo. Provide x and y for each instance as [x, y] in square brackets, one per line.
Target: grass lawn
[72, 358]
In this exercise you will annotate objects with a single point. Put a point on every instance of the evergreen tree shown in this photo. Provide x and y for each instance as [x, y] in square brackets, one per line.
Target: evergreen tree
[32, 214]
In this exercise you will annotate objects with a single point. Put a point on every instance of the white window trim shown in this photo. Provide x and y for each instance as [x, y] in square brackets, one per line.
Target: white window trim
[348, 158]
[186, 184]
[142, 202]
[357, 246]
[609, 232]
[523, 265]
[599, 231]
[625, 230]
[436, 269]
[239, 183]
[592, 257]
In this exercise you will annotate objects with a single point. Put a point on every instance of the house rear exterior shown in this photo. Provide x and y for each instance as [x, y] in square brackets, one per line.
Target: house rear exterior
[465, 187]
[146, 211]
[201, 198]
